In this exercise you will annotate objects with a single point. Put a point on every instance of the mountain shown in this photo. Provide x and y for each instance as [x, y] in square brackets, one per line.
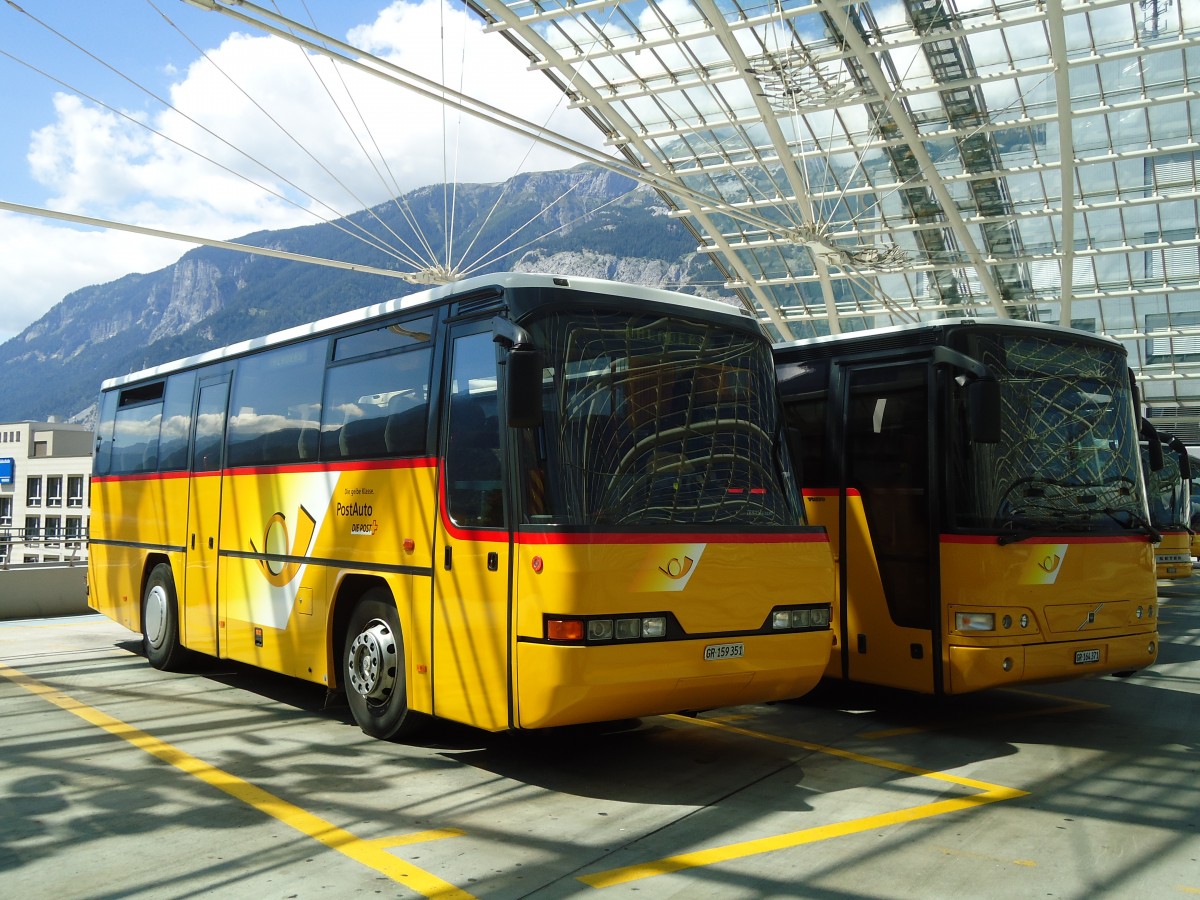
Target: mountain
[592, 222]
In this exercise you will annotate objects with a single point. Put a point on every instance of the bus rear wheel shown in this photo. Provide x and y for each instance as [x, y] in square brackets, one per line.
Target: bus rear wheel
[373, 669]
[160, 620]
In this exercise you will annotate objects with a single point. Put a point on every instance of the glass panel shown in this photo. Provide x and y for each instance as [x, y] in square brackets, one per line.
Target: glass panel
[176, 422]
[391, 337]
[1067, 460]
[276, 398]
[378, 407]
[210, 428]
[135, 436]
[656, 420]
[474, 475]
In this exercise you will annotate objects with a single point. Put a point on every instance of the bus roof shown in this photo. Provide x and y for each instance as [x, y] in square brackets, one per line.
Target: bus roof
[433, 297]
[942, 327]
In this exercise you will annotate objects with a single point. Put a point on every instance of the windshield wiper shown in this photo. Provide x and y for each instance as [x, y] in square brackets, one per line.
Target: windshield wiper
[1135, 521]
[1042, 529]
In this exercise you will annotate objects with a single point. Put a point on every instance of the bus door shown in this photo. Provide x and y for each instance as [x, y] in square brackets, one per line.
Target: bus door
[887, 551]
[198, 615]
[472, 545]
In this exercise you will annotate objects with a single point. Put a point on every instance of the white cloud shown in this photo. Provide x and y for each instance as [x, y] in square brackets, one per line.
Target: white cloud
[95, 162]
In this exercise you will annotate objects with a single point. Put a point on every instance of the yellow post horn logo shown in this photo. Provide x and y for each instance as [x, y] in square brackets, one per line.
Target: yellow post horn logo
[676, 569]
[276, 570]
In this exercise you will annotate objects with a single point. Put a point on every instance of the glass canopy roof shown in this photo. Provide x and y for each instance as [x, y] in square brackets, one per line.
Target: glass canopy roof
[851, 166]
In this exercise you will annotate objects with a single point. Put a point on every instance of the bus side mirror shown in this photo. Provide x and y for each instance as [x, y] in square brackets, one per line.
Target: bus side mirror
[983, 410]
[524, 387]
[1153, 445]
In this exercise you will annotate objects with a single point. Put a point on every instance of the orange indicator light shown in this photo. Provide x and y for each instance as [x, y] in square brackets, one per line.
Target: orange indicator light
[564, 629]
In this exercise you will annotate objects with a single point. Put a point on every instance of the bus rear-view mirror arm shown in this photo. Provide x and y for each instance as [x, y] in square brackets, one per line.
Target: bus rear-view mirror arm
[982, 394]
[523, 392]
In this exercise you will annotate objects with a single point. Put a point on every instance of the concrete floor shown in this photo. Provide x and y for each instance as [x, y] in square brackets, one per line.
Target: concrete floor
[117, 780]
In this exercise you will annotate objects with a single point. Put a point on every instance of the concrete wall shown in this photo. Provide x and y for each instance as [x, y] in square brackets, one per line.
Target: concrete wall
[37, 591]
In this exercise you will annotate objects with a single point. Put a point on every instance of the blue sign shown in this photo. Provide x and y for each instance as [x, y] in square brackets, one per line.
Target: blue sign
[6, 470]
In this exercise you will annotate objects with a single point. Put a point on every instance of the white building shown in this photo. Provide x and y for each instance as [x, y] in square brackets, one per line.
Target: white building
[44, 506]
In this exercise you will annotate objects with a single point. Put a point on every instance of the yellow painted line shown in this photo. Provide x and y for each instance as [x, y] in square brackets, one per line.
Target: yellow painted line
[966, 854]
[989, 793]
[372, 853]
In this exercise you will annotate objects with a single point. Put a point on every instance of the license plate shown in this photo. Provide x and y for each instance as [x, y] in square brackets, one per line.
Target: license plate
[724, 651]
[1087, 656]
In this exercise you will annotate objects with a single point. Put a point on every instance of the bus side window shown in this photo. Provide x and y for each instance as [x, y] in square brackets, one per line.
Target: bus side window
[276, 395]
[104, 434]
[377, 407]
[473, 471]
[135, 431]
[176, 422]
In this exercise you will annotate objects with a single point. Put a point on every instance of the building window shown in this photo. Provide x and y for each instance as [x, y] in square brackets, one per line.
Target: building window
[33, 528]
[54, 490]
[53, 532]
[74, 530]
[74, 490]
[6, 507]
[33, 491]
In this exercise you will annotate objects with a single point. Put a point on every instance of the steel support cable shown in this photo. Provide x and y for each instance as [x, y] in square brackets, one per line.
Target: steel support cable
[390, 184]
[537, 46]
[488, 256]
[425, 87]
[904, 124]
[796, 176]
[369, 240]
[413, 261]
[195, 239]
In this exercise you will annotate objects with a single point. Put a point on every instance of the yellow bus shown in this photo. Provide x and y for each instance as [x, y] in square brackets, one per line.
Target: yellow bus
[1168, 489]
[514, 502]
[980, 482]
[1194, 502]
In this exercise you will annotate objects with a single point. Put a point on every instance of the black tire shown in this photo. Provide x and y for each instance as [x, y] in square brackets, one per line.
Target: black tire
[160, 620]
[373, 669]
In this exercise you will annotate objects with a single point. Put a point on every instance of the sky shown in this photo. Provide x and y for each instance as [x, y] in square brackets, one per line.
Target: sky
[160, 114]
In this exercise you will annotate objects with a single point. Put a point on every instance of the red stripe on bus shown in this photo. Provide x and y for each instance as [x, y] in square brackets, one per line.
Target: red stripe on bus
[828, 492]
[544, 538]
[363, 465]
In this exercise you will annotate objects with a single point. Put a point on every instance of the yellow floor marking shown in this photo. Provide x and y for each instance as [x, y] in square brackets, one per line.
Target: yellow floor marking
[989, 793]
[371, 853]
[966, 854]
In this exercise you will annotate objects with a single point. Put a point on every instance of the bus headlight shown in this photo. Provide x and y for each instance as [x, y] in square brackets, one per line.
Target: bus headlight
[606, 629]
[599, 630]
[805, 618]
[973, 621]
[654, 627]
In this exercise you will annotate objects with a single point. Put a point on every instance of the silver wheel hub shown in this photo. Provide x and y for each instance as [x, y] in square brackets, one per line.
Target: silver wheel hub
[371, 668]
[156, 615]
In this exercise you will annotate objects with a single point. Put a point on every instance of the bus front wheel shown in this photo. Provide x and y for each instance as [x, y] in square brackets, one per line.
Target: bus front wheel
[160, 620]
[373, 668]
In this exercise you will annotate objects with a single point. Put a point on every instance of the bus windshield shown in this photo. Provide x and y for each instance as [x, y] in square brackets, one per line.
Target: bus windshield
[654, 420]
[1067, 459]
[1169, 494]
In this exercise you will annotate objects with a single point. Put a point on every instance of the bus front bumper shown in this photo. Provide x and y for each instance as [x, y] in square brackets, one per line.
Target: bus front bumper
[570, 685]
[977, 668]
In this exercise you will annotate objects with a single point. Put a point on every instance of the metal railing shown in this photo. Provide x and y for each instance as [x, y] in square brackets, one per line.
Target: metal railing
[27, 548]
